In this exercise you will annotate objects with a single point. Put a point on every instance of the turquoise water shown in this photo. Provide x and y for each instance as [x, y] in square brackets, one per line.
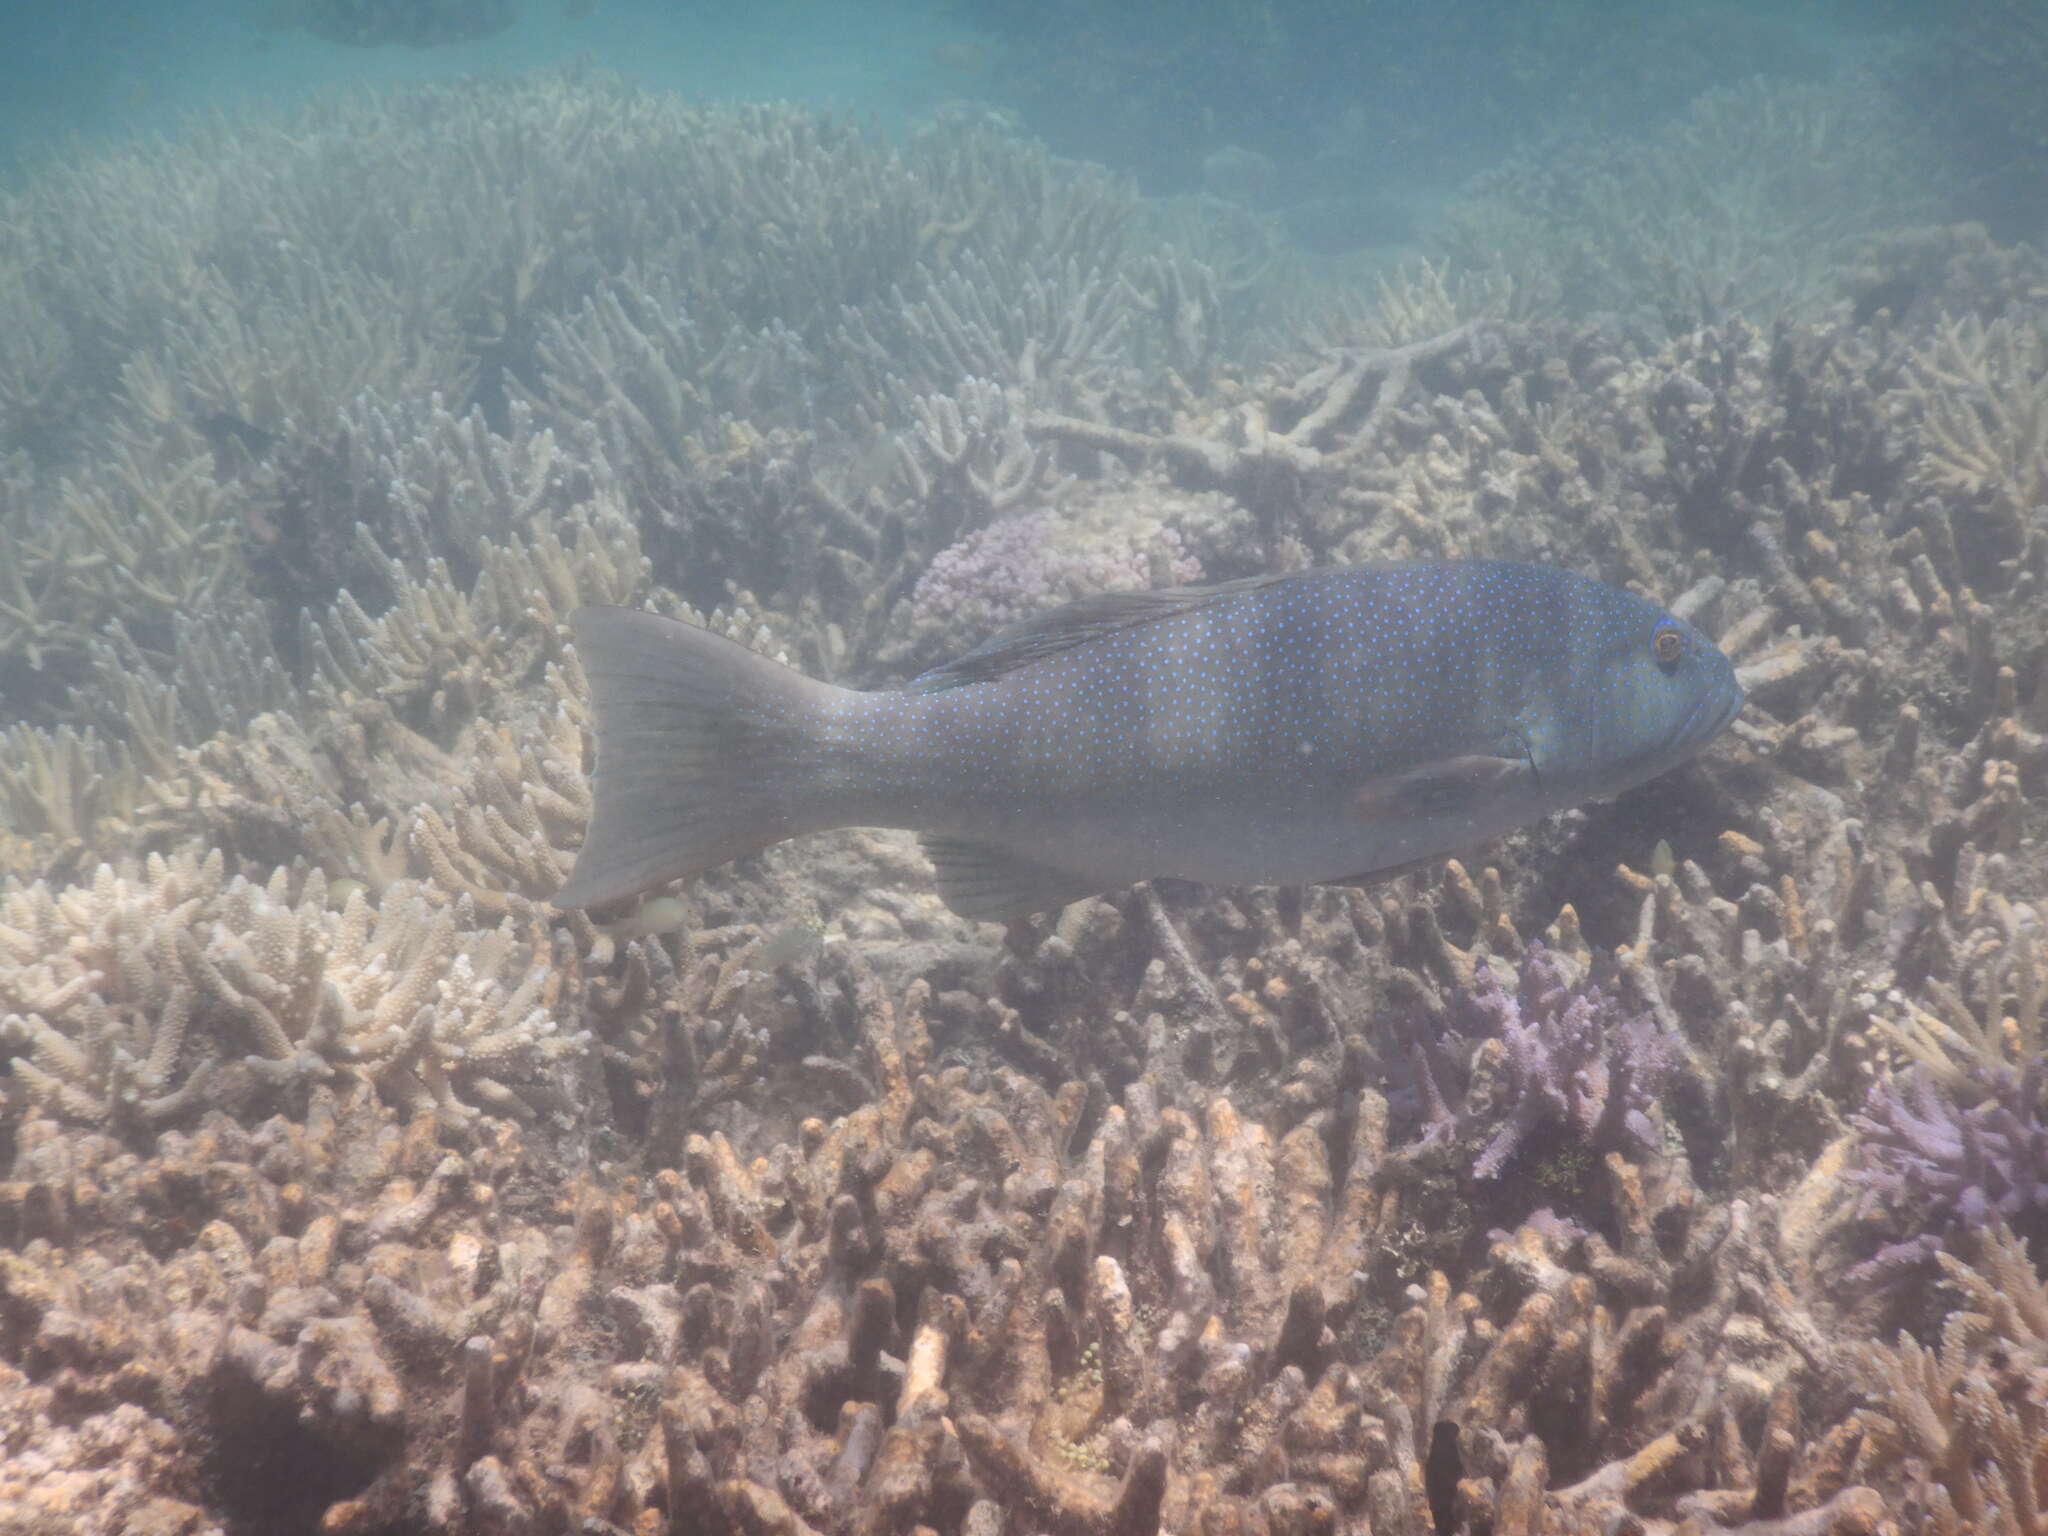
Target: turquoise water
[125, 68]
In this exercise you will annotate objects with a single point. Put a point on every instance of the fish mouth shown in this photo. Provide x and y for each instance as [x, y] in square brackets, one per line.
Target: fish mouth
[1730, 708]
[1707, 719]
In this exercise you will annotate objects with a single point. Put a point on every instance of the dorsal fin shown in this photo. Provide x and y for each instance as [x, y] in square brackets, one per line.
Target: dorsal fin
[1063, 629]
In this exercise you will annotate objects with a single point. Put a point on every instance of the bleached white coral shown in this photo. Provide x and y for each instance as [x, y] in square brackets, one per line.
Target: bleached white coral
[1981, 394]
[123, 997]
[96, 1004]
[407, 993]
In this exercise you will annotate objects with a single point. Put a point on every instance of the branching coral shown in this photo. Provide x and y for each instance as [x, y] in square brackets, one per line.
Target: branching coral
[1744, 206]
[146, 537]
[282, 371]
[98, 1007]
[60, 786]
[1960, 1141]
[1165, 1323]
[1269, 453]
[128, 1000]
[1967, 1417]
[1982, 394]
[1566, 1059]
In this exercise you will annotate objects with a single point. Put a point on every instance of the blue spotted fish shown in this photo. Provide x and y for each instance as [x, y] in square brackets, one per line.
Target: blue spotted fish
[1321, 727]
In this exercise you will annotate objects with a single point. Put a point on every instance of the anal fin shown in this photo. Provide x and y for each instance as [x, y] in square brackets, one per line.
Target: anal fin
[993, 885]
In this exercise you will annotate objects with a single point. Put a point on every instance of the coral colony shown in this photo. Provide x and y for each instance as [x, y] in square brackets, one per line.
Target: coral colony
[1667, 1168]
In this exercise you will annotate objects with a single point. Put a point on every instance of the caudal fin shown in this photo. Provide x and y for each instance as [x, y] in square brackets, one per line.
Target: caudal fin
[705, 751]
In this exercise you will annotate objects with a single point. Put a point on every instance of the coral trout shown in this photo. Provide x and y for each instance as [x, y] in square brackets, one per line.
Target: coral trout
[1313, 728]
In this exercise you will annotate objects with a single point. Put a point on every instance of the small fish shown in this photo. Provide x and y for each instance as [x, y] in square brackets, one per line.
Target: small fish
[1321, 727]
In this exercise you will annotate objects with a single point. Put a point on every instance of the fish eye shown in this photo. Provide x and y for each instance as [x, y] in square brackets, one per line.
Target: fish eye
[1668, 647]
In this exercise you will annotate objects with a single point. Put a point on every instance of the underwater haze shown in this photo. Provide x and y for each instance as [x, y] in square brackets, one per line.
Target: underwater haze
[1250, 767]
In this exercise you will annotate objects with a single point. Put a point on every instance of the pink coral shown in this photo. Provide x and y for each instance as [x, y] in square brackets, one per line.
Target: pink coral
[1021, 565]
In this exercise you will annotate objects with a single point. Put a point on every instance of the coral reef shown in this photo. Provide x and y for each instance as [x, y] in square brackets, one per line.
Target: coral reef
[1967, 1416]
[348, 1186]
[1022, 565]
[1984, 393]
[1959, 1141]
[1566, 1060]
[135, 992]
[1749, 203]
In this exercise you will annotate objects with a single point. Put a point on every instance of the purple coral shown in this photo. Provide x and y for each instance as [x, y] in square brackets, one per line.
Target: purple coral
[1576, 1059]
[1021, 565]
[1951, 1161]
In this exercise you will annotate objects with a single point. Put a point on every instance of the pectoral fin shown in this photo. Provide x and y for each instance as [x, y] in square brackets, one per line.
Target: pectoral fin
[993, 885]
[1442, 788]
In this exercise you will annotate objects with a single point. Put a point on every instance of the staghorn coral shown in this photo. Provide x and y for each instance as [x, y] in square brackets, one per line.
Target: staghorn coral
[223, 742]
[1910, 274]
[282, 376]
[133, 1001]
[1262, 463]
[1214, 996]
[621, 1336]
[1567, 1059]
[1948, 1168]
[98, 1007]
[1967, 1416]
[1957, 1142]
[1982, 398]
[147, 536]
[59, 787]
[1747, 204]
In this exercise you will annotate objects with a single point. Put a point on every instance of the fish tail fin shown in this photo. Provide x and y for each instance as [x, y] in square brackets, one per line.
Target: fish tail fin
[705, 751]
